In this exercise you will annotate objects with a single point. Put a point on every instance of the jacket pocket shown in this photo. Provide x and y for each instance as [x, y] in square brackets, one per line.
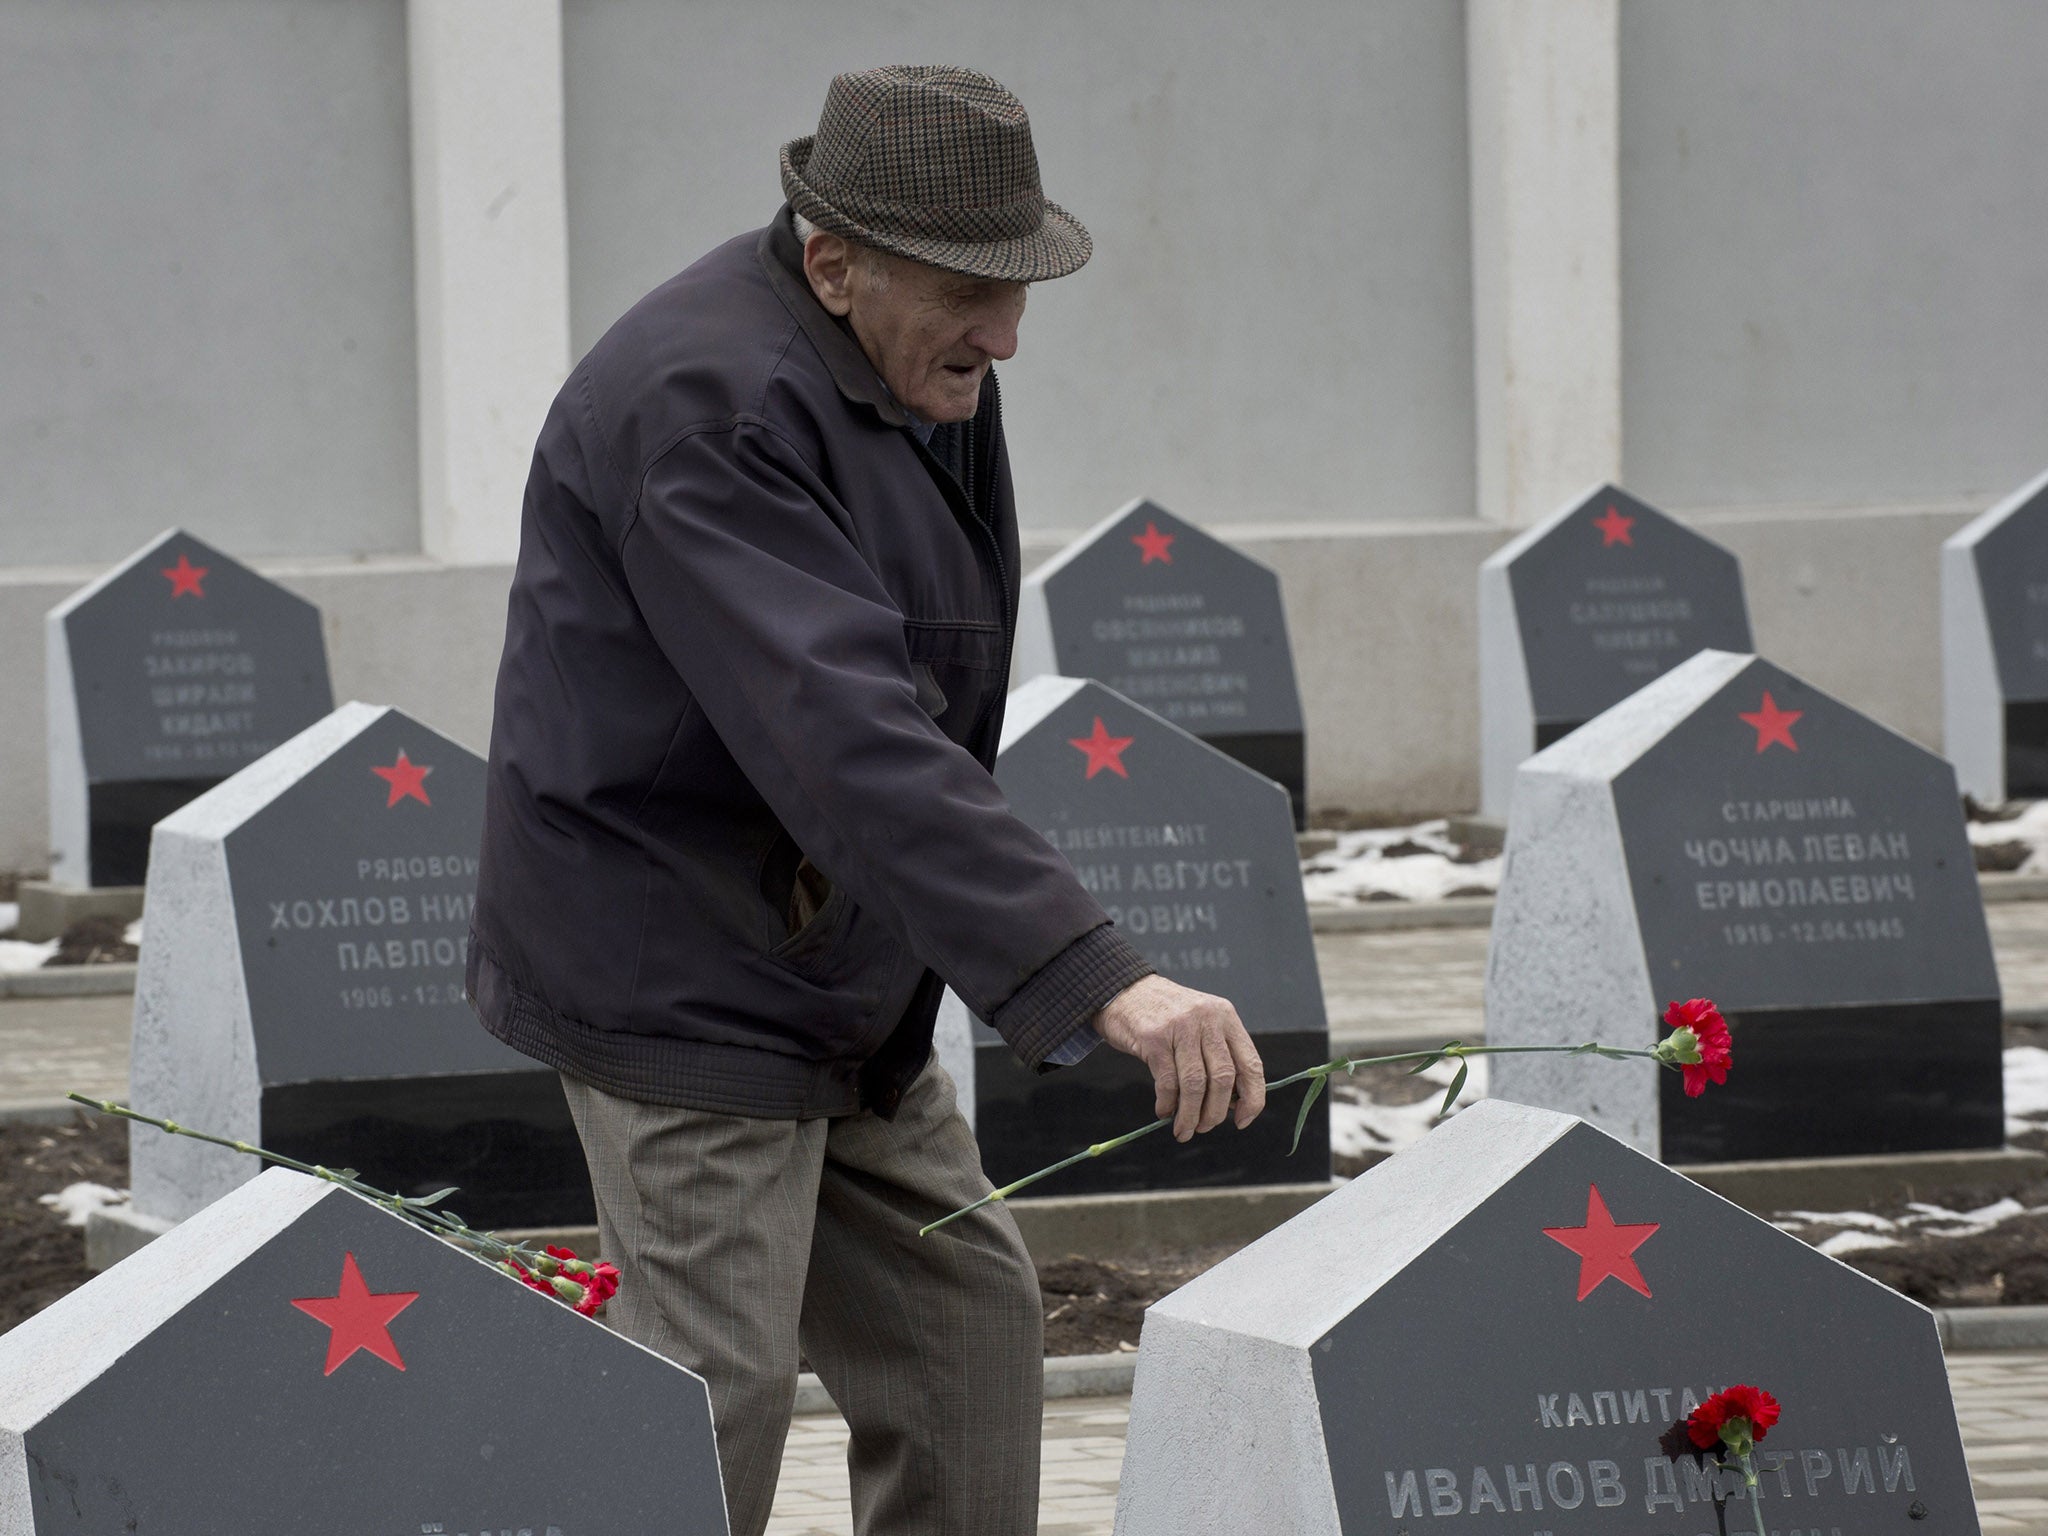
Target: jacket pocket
[809, 891]
[839, 948]
[815, 931]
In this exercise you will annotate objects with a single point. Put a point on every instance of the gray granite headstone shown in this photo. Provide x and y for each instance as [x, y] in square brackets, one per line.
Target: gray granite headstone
[175, 669]
[300, 985]
[1583, 609]
[1192, 855]
[1994, 649]
[295, 1359]
[1731, 832]
[1178, 621]
[1498, 1330]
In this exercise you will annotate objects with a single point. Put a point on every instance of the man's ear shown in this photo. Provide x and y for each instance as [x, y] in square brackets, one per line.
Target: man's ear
[828, 263]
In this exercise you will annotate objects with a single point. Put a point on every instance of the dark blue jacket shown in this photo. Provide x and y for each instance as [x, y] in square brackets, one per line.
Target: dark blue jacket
[740, 819]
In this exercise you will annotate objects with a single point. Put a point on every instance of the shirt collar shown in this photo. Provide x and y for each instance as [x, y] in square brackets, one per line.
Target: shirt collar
[919, 427]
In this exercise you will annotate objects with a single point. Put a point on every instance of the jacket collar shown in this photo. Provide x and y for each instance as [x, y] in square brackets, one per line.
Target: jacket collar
[782, 258]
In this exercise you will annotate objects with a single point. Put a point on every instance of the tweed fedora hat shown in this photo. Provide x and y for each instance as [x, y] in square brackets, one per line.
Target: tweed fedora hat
[934, 163]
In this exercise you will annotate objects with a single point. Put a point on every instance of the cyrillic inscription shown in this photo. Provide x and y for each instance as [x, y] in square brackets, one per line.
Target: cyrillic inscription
[1534, 1486]
[1156, 899]
[1174, 661]
[202, 687]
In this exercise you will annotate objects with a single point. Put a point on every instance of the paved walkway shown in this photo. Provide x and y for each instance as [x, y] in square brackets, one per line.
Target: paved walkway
[1406, 984]
[1084, 1452]
[51, 1045]
[2001, 1399]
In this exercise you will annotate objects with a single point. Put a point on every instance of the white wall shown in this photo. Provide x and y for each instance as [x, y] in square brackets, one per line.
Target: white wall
[1277, 321]
[206, 311]
[1834, 236]
[1832, 292]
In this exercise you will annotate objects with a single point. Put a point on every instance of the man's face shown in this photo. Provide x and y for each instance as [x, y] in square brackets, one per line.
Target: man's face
[931, 334]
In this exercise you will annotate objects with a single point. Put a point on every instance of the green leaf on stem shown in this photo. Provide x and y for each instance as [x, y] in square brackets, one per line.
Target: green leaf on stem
[1430, 1060]
[1316, 1086]
[1457, 1087]
[434, 1199]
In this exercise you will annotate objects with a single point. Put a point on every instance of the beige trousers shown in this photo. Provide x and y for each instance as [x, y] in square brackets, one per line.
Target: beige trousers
[740, 1240]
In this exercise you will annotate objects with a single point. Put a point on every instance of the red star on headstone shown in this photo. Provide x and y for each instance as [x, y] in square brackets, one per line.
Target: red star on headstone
[1104, 750]
[406, 778]
[359, 1317]
[1604, 1247]
[1773, 725]
[1153, 544]
[185, 577]
[1614, 528]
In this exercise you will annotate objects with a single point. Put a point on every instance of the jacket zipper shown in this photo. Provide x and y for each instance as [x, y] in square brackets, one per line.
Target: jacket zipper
[995, 549]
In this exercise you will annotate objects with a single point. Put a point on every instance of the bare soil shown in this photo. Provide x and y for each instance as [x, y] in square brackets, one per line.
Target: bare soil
[41, 1257]
[1097, 1306]
[2001, 858]
[2007, 1266]
[95, 941]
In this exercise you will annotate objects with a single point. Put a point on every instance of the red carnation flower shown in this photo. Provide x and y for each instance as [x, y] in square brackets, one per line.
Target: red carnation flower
[1715, 1048]
[586, 1287]
[599, 1286]
[1754, 1409]
[526, 1276]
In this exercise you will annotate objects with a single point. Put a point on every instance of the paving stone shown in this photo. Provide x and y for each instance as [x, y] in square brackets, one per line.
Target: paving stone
[50, 1045]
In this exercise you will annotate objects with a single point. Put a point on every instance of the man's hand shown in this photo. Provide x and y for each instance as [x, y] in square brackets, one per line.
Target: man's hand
[1197, 1049]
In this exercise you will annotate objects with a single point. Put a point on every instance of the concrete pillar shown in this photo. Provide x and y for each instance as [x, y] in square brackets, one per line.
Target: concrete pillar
[490, 243]
[1542, 94]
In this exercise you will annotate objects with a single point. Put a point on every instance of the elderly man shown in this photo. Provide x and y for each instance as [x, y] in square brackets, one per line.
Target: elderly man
[741, 830]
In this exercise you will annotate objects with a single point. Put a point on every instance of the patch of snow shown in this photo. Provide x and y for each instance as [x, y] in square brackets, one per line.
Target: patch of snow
[10, 916]
[20, 955]
[2026, 1088]
[1986, 1215]
[75, 1202]
[1358, 868]
[1862, 1229]
[1860, 1219]
[1939, 1221]
[1359, 1126]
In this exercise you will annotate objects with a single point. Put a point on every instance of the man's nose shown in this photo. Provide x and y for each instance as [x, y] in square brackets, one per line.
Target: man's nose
[996, 333]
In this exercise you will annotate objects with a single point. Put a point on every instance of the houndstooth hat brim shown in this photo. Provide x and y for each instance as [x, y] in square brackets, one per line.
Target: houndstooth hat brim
[934, 163]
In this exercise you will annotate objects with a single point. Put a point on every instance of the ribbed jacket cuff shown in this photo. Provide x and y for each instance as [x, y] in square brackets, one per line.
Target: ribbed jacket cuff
[1068, 991]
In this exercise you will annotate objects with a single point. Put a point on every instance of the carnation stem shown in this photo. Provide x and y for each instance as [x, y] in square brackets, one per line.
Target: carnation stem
[1345, 1064]
[441, 1223]
[1756, 1502]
